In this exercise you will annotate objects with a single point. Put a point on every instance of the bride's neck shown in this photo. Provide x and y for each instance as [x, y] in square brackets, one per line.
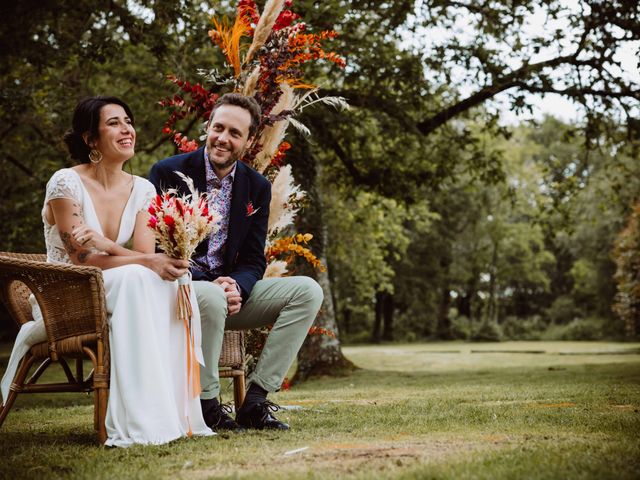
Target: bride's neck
[108, 175]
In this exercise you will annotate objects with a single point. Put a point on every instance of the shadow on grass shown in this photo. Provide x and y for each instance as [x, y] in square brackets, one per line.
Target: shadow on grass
[14, 442]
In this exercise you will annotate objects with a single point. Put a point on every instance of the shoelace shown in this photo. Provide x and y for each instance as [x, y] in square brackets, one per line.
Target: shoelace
[224, 409]
[274, 407]
[267, 407]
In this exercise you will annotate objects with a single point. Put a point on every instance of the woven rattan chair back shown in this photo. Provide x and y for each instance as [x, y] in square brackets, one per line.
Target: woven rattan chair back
[72, 302]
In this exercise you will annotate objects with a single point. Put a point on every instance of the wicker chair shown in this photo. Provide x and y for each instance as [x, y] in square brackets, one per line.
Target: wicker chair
[72, 302]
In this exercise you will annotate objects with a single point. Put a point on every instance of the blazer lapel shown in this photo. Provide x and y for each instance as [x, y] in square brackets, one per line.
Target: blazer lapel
[238, 216]
[194, 168]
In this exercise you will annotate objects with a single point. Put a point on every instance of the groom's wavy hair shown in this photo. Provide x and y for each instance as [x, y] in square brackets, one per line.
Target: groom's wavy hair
[248, 103]
[86, 119]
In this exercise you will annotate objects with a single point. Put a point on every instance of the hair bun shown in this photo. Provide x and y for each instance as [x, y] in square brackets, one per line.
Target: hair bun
[78, 150]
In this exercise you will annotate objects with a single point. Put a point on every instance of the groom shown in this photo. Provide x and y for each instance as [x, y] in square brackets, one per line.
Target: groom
[229, 265]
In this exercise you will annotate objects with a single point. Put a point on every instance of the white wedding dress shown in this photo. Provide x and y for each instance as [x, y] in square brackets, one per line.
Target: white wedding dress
[148, 399]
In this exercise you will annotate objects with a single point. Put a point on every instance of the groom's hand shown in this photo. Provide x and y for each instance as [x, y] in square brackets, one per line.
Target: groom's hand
[232, 292]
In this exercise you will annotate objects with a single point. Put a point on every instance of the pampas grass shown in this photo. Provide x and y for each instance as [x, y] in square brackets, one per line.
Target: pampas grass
[275, 269]
[282, 212]
[273, 135]
[267, 20]
[251, 84]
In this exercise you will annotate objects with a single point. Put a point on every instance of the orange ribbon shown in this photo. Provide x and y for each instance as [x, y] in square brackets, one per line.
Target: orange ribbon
[185, 312]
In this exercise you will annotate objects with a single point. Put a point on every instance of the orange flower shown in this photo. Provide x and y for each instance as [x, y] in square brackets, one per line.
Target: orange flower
[289, 247]
[228, 39]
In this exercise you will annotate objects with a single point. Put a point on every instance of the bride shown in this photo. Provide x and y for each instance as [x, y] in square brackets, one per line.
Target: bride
[90, 212]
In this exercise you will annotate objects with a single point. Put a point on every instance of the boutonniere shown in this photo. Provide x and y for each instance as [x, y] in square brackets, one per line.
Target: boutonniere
[251, 210]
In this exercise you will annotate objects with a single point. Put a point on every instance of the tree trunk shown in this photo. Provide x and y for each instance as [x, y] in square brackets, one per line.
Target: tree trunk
[377, 322]
[320, 354]
[491, 305]
[444, 324]
[463, 304]
[387, 315]
[346, 322]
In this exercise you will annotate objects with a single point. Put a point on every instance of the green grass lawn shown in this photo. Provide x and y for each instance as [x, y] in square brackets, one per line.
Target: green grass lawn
[439, 410]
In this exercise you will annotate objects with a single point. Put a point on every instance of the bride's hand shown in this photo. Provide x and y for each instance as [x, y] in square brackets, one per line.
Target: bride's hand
[166, 267]
[87, 237]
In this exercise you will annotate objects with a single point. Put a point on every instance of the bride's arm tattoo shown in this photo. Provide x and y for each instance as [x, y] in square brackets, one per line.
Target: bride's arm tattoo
[83, 254]
[68, 244]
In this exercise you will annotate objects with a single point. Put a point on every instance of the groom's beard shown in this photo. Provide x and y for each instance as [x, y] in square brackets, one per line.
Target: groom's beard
[223, 166]
[234, 156]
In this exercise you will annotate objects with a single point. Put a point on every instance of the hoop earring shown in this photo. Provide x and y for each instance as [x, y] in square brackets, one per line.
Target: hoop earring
[95, 156]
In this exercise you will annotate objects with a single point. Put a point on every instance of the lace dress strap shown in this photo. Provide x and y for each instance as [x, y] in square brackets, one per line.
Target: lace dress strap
[64, 183]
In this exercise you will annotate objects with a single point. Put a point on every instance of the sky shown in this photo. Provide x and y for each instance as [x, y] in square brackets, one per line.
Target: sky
[537, 25]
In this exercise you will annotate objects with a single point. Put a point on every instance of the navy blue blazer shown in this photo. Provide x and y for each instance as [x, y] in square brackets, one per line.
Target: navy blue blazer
[244, 259]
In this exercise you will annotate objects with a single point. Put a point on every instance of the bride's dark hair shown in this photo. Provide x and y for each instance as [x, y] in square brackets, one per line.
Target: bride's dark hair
[86, 119]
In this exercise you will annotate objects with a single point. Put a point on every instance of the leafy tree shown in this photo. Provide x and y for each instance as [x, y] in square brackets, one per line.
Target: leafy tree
[412, 61]
[627, 258]
[54, 53]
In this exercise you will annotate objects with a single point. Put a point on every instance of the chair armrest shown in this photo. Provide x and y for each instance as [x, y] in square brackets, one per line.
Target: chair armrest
[70, 297]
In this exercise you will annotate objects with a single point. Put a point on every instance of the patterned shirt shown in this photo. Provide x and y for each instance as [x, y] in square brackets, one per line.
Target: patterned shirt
[219, 192]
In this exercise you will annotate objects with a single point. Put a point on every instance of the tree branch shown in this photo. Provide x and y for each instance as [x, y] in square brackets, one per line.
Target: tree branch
[20, 166]
[334, 144]
[513, 79]
[580, 92]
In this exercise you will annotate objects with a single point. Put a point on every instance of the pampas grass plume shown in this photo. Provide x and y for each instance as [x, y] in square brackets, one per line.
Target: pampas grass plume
[267, 20]
[282, 213]
[272, 136]
[276, 268]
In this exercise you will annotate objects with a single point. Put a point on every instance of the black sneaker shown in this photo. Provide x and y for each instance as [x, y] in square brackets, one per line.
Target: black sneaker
[259, 416]
[216, 416]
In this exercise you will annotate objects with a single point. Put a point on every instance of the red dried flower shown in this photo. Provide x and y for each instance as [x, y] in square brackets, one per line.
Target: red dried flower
[251, 210]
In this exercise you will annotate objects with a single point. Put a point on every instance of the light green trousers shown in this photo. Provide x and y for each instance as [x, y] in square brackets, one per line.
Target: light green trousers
[290, 304]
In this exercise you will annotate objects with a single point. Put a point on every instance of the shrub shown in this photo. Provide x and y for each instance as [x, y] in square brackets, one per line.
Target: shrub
[590, 328]
[626, 255]
[515, 328]
[360, 337]
[461, 328]
[487, 332]
[563, 310]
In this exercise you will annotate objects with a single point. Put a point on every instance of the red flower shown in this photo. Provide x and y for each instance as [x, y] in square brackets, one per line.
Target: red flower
[285, 19]
[179, 208]
[169, 222]
[153, 222]
[251, 210]
[286, 384]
